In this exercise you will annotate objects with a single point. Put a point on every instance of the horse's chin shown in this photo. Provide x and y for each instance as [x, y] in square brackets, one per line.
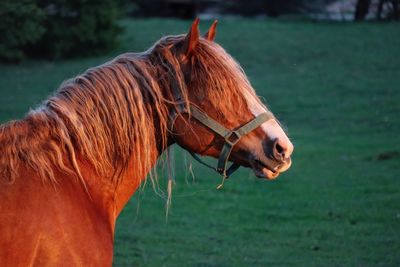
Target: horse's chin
[265, 173]
[262, 171]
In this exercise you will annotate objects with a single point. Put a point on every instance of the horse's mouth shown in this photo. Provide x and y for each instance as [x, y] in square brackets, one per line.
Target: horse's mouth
[262, 170]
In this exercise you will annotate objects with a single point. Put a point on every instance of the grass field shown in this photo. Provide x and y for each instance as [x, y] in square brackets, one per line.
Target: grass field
[337, 89]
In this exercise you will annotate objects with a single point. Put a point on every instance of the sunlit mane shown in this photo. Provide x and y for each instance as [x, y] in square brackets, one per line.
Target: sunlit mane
[118, 111]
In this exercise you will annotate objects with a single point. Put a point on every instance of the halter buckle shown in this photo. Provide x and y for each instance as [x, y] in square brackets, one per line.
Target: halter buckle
[232, 137]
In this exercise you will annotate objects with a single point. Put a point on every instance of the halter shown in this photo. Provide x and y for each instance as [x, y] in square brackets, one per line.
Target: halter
[231, 137]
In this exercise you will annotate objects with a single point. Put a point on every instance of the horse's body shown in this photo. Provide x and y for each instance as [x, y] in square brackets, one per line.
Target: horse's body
[44, 227]
[68, 168]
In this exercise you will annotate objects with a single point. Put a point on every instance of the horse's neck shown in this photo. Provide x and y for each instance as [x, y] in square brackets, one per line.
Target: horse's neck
[113, 194]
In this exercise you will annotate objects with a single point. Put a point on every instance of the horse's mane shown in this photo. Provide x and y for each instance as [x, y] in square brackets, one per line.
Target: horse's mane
[115, 111]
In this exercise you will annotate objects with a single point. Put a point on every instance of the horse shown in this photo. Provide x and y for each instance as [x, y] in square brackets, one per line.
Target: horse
[68, 168]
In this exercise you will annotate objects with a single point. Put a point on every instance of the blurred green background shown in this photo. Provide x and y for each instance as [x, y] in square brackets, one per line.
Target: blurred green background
[334, 85]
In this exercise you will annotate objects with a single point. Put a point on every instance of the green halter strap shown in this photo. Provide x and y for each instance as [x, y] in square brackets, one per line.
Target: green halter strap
[231, 137]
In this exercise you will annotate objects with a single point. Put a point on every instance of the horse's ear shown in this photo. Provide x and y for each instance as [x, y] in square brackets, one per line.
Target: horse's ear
[210, 35]
[192, 38]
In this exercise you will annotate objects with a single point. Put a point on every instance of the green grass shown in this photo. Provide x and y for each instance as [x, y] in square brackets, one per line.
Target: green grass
[337, 89]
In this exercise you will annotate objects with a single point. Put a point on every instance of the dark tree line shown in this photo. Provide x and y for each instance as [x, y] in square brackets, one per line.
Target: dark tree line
[385, 9]
[392, 9]
[189, 8]
[56, 28]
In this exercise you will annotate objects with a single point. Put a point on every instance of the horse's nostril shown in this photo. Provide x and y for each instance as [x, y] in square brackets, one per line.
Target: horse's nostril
[278, 150]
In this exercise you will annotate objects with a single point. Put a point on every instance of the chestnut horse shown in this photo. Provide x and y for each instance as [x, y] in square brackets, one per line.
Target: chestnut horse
[69, 167]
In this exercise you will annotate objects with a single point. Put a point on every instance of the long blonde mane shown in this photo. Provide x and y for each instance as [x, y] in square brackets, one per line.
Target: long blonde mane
[117, 111]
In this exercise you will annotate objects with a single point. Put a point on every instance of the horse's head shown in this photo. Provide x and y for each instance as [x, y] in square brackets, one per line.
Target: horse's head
[217, 85]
